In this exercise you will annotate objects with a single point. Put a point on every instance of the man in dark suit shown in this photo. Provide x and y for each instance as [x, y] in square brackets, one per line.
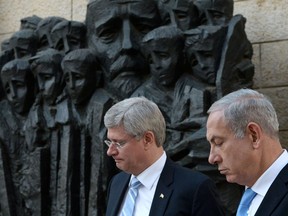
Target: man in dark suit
[136, 134]
[242, 129]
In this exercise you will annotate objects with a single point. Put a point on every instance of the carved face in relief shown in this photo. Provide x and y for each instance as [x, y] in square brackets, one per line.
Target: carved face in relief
[163, 47]
[203, 51]
[215, 12]
[18, 83]
[115, 30]
[47, 69]
[79, 67]
[43, 32]
[68, 35]
[24, 43]
[180, 13]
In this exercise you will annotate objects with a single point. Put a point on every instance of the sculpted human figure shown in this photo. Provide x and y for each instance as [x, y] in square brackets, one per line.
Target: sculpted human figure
[163, 48]
[90, 101]
[115, 36]
[43, 31]
[18, 82]
[24, 43]
[179, 95]
[68, 35]
[203, 51]
[236, 59]
[30, 22]
[50, 126]
[180, 13]
[64, 132]
[6, 55]
[217, 12]
[47, 70]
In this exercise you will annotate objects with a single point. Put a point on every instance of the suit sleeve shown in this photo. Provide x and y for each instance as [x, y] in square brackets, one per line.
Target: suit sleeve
[207, 201]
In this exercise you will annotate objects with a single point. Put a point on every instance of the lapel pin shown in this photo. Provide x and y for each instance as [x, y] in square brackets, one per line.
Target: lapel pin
[161, 195]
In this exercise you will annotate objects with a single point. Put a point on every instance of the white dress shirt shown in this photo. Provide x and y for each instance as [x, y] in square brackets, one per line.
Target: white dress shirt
[263, 184]
[149, 179]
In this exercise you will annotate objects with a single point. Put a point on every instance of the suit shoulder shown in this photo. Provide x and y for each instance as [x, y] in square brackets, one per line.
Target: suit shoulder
[190, 174]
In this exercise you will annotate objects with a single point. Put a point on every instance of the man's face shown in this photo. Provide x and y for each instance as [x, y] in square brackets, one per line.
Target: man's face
[179, 13]
[24, 44]
[68, 38]
[202, 63]
[79, 83]
[17, 91]
[131, 157]
[215, 12]
[115, 32]
[45, 40]
[49, 81]
[163, 61]
[235, 157]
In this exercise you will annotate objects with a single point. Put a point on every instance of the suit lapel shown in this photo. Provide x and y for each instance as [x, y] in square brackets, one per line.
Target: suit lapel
[275, 194]
[163, 190]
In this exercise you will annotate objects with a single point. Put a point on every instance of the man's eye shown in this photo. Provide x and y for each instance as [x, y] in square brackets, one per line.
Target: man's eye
[109, 32]
[163, 55]
[181, 15]
[60, 46]
[19, 84]
[23, 53]
[218, 144]
[73, 41]
[67, 79]
[7, 89]
[217, 15]
[78, 77]
[46, 77]
[44, 42]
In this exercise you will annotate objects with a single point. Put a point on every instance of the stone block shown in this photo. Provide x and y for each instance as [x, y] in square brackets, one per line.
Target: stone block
[279, 98]
[266, 20]
[79, 9]
[13, 11]
[257, 79]
[274, 64]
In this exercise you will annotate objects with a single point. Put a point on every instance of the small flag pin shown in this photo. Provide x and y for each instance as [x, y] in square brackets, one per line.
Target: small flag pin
[161, 195]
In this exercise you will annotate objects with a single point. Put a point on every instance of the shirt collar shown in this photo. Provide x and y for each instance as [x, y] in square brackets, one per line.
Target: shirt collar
[263, 184]
[149, 176]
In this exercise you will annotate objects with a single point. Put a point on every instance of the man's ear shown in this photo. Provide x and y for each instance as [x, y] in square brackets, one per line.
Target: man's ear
[255, 133]
[149, 139]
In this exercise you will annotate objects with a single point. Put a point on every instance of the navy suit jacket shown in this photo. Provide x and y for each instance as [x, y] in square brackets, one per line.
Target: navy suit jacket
[275, 202]
[186, 192]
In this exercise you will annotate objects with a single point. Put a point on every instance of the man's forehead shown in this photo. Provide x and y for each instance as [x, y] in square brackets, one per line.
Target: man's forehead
[98, 12]
[13, 75]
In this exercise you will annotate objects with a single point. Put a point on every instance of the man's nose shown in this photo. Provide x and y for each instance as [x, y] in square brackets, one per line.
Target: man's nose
[13, 91]
[126, 41]
[112, 150]
[213, 157]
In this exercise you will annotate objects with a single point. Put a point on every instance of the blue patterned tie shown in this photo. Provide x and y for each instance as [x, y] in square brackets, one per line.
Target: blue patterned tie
[246, 200]
[129, 204]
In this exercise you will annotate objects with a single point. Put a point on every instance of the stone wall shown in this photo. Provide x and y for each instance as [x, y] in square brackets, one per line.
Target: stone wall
[266, 27]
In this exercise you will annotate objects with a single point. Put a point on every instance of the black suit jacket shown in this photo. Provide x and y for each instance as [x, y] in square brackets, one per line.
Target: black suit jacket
[186, 192]
[275, 202]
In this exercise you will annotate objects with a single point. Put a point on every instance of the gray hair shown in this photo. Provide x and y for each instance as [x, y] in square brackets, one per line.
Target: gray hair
[244, 106]
[137, 115]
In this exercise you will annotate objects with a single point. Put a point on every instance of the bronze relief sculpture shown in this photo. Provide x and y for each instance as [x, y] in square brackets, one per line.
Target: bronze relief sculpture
[182, 54]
